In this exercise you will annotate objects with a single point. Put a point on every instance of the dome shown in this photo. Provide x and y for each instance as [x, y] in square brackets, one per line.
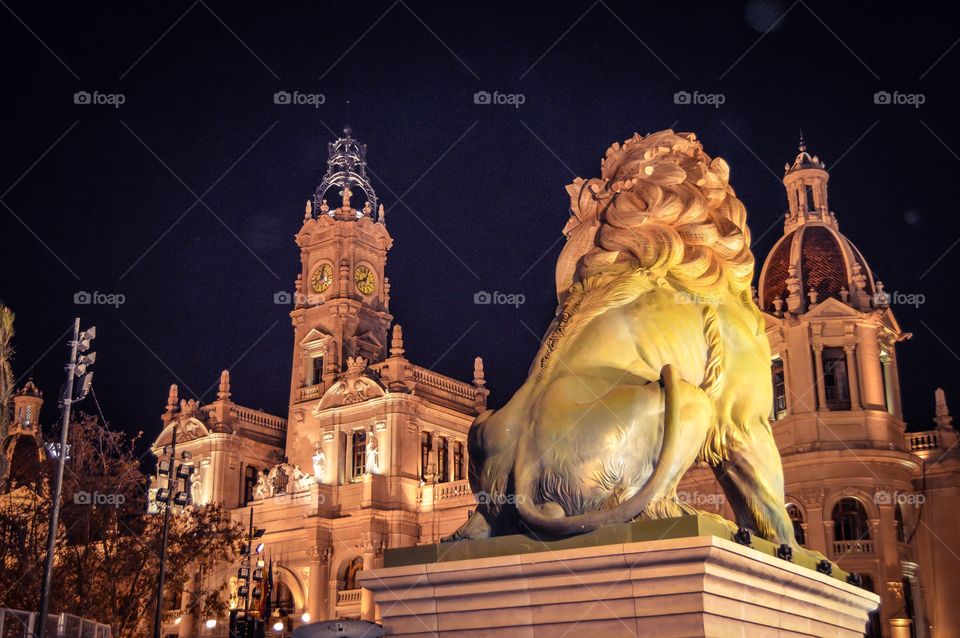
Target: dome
[823, 261]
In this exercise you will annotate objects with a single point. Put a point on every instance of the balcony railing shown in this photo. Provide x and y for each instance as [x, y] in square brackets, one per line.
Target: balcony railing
[920, 441]
[310, 392]
[349, 596]
[845, 548]
[262, 419]
[452, 490]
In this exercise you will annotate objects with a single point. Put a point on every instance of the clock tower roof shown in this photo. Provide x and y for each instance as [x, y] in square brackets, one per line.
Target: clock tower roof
[347, 176]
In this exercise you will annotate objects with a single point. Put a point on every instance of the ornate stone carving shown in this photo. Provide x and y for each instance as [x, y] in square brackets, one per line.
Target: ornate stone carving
[371, 543]
[811, 497]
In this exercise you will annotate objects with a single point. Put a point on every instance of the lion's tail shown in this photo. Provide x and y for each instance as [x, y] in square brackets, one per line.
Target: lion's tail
[674, 452]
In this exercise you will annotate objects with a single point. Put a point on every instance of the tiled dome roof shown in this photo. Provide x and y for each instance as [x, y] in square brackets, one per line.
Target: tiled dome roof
[825, 261]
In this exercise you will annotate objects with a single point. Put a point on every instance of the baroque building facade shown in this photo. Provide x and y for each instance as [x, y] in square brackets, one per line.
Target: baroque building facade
[373, 450]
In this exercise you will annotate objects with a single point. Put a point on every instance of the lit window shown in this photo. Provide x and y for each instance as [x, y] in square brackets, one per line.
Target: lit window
[457, 461]
[359, 448]
[835, 384]
[779, 390]
[426, 443]
[850, 521]
[443, 474]
[796, 517]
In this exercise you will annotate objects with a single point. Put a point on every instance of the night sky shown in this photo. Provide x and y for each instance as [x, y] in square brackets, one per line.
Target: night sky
[185, 198]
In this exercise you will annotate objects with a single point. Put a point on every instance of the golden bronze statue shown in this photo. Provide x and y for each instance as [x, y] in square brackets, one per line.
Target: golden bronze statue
[656, 358]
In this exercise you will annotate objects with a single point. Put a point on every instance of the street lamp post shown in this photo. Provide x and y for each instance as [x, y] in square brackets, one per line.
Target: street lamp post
[79, 376]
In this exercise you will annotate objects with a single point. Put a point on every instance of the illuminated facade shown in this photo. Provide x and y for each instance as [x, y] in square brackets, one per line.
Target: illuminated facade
[373, 452]
[859, 488]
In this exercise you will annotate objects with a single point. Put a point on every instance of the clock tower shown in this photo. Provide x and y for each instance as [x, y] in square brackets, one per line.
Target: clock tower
[342, 302]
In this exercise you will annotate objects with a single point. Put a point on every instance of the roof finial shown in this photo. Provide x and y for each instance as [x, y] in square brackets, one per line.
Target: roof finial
[803, 144]
[479, 378]
[223, 392]
[396, 341]
[172, 398]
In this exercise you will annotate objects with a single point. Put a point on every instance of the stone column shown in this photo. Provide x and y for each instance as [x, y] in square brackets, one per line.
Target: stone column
[372, 547]
[818, 376]
[894, 376]
[853, 378]
[317, 593]
[871, 375]
[787, 383]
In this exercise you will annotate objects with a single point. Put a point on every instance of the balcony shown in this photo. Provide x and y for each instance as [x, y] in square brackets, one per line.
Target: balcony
[348, 597]
[311, 392]
[852, 548]
[922, 441]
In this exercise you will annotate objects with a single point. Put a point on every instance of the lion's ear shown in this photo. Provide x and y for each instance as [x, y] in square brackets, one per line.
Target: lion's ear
[721, 168]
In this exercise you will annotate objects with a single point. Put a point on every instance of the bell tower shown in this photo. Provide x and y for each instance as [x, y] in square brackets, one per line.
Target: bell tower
[342, 303]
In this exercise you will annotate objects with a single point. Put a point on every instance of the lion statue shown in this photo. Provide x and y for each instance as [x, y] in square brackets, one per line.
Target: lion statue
[656, 358]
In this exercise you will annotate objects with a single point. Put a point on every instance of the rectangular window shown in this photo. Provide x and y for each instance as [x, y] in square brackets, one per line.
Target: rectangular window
[426, 443]
[779, 390]
[443, 473]
[457, 461]
[316, 375]
[359, 452]
[835, 384]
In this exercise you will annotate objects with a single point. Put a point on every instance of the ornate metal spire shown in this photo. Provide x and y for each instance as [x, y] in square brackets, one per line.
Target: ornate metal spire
[346, 171]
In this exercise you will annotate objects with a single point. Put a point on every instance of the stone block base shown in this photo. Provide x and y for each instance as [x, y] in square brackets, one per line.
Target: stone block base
[694, 586]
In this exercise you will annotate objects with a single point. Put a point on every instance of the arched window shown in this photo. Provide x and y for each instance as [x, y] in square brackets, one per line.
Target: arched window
[352, 572]
[359, 448]
[850, 521]
[282, 597]
[796, 517]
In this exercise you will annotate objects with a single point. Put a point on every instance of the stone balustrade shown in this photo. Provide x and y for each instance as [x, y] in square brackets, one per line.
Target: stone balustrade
[845, 548]
[349, 596]
[255, 417]
[920, 441]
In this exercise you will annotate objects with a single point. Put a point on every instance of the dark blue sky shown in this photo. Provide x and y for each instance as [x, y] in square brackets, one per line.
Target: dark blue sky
[104, 199]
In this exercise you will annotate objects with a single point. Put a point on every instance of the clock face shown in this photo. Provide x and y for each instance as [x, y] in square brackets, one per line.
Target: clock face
[322, 278]
[365, 279]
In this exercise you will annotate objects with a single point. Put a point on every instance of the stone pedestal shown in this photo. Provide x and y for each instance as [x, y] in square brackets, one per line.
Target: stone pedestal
[692, 586]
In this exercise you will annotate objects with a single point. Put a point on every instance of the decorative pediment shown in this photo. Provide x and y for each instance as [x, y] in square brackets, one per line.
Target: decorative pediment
[188, 429]
[354, 386]
[314, 343]
[831, 307]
